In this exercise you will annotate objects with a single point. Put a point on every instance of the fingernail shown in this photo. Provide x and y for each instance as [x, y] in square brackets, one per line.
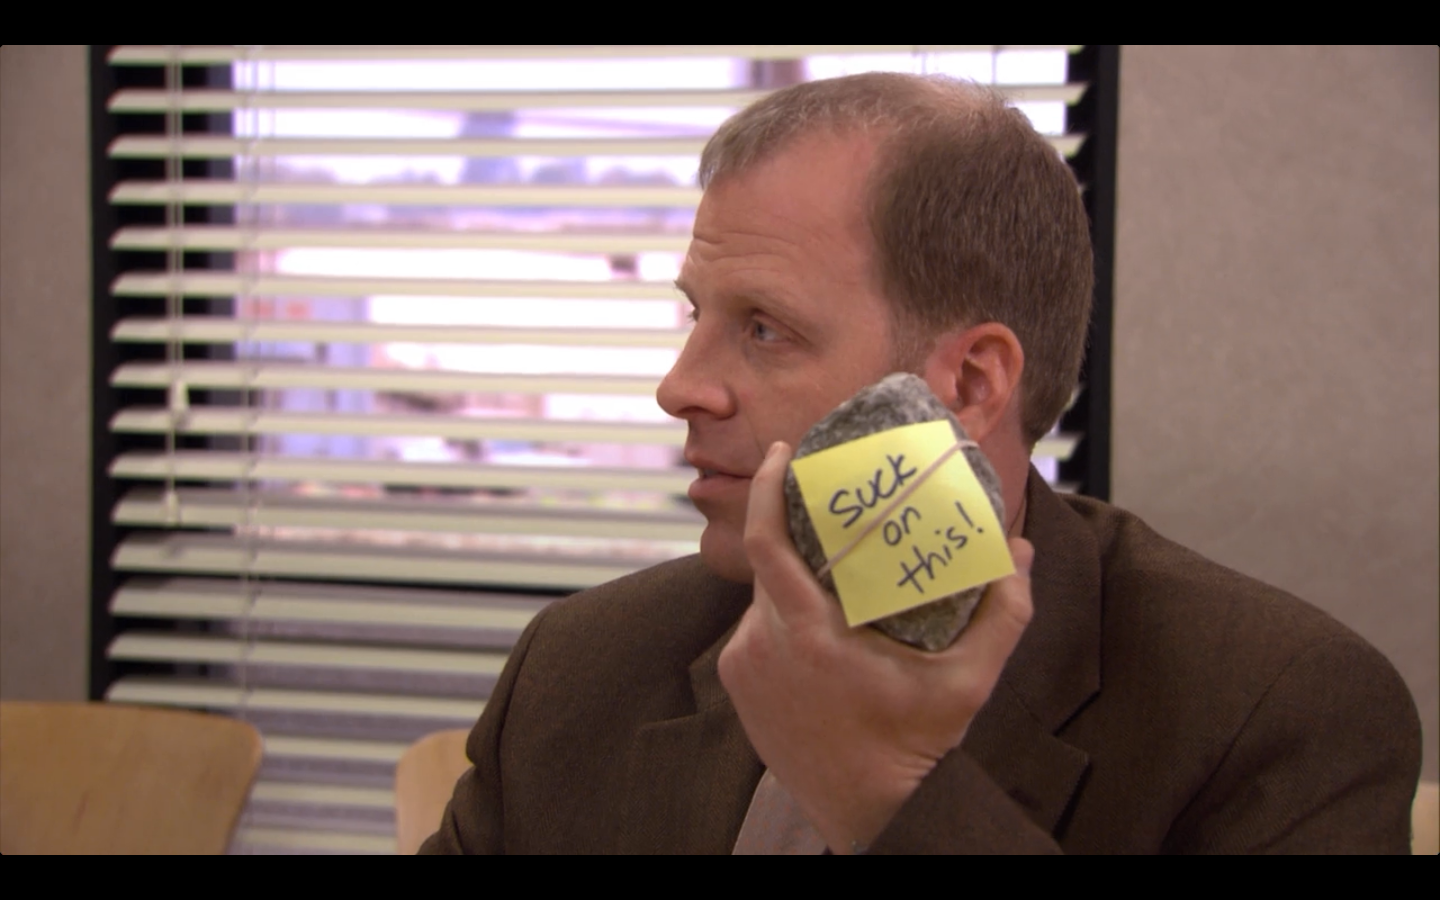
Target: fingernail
[774, 449]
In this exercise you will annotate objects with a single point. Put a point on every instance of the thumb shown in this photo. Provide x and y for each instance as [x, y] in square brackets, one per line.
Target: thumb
[781, 576]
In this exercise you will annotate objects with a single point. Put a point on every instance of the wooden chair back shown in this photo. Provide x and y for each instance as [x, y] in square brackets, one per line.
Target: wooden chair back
[424, 781]
[90, 778]
[1425, 820]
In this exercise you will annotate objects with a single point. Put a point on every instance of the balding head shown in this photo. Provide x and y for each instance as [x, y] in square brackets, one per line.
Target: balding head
[974, 216]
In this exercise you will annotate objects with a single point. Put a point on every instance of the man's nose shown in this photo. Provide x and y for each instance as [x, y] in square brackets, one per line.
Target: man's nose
[695, 385]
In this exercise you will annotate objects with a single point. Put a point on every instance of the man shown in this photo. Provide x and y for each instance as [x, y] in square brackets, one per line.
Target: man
[1117, 694]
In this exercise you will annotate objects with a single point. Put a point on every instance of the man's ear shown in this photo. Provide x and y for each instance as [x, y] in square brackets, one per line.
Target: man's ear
[976, 373]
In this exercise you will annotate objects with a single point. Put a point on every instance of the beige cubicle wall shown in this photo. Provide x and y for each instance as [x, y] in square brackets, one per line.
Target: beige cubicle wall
[44, 372]
[1276, 303]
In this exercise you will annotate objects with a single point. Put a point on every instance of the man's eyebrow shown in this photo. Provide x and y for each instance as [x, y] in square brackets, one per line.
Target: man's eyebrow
[777, 304]
[780, 306]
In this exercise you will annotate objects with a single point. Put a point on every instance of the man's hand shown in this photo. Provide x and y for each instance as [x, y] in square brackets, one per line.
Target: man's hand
[850, 721]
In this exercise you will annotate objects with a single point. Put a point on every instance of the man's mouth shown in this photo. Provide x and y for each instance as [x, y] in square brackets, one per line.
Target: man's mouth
[709, 469]
[719, 473]
[715, 484]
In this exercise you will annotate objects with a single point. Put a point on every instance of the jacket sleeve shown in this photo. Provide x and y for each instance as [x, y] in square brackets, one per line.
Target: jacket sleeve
[474, 818]
[1327, 762]
[958, 809]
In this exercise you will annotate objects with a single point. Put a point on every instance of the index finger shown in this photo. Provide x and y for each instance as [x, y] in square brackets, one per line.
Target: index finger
[786, 579]
[1001, 618]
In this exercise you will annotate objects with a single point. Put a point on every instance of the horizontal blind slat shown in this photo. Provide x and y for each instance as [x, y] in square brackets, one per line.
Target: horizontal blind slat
[297, 840]
[199, 329]
[194, 147]
[229, 284]
[242, 420]
[295, 602]
[217, 465]
[322, 794]
[197, 147]
[219, 695]
[270, 375]
[182, 554]
[208, 508]
[282, 746]
[220, 237]
[171, 648]
[205, 55]
[221, 192]
[139, 100]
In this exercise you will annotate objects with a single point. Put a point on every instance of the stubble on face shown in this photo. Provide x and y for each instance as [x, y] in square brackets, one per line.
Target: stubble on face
[790, 323]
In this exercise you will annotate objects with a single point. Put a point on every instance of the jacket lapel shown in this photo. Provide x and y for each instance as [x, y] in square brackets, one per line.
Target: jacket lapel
[689, 779]
[1053, 672]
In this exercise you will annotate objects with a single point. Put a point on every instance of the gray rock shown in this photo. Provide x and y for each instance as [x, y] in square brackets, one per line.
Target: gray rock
[895, 400]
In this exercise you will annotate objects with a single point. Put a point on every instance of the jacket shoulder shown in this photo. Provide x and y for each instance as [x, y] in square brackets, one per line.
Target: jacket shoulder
[627, 643]
[1205, 604]
[1280, 728]
[674, 611]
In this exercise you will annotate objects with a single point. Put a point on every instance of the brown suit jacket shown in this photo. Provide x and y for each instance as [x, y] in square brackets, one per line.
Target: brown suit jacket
[1157, 703]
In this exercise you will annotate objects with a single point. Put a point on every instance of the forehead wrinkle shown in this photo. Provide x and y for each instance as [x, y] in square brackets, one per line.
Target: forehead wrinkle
[869, 271]
[774, 290]
[739, 273]
[731, 234]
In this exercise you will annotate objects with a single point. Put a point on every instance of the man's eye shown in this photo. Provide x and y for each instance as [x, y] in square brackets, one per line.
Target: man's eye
[762, 332]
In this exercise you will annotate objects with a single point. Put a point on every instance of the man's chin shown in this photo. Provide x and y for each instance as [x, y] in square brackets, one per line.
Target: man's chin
[723, 553]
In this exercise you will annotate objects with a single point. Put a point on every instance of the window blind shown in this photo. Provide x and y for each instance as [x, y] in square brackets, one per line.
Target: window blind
[381, 331]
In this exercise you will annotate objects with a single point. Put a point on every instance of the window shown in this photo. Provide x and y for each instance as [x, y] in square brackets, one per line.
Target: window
[384, 328]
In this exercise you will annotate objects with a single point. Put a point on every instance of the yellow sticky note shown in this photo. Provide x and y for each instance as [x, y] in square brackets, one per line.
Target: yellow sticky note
[941, 539]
